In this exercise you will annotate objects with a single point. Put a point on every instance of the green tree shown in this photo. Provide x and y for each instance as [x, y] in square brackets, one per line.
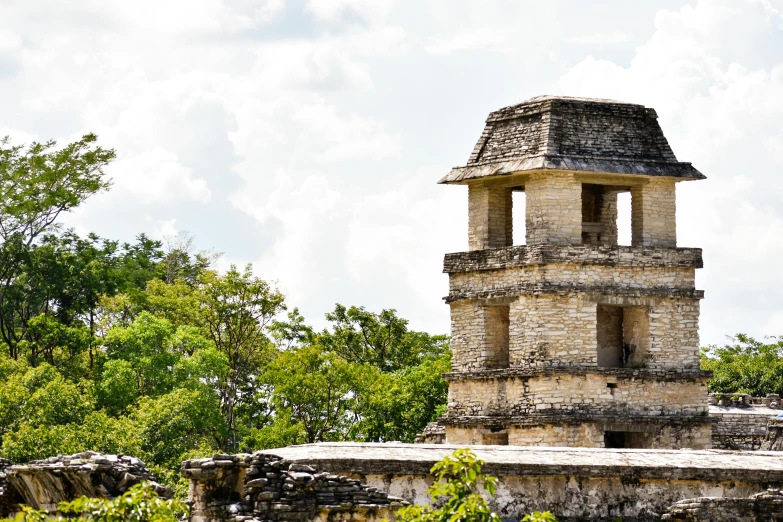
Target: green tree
[382, 340]
[37, 184]
[397, 406]
[317, 389]
[746, 365]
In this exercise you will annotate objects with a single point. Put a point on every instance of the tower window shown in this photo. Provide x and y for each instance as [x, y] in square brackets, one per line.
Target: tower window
[622, 336]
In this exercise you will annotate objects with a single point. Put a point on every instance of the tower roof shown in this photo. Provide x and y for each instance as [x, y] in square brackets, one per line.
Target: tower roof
[577, 134]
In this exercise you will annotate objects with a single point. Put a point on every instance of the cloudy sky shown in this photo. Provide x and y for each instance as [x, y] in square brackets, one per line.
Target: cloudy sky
[306, 136]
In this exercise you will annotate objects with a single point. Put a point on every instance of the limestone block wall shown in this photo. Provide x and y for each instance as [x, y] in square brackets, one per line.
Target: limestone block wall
[653, 213]
[569, 393]
[588, 435]
[553, 211]
[584, 278]
[552, 331]
[480, 335]
[574, 483]
[490, 223]
[555, 330]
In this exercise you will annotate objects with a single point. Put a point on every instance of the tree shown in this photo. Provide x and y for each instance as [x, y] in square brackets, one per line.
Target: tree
[37, 184]
[316, 388]
[397, 406]
[235, 309]
[382, 340]
[746, 365]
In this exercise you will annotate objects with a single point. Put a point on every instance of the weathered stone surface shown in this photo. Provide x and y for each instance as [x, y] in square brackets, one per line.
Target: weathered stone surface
[266, 487]
[576, 134]
[594, 484]
[42, 484]
[592, 255]
[765, 506]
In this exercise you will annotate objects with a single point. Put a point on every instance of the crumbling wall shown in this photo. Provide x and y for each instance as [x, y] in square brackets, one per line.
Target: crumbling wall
[765, 506]
[43, 484]
[245, 487]
[740, 421]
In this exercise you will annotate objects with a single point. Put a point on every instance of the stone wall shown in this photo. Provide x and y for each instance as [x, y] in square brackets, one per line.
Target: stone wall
[637, 432]
[43, 484]
[264, 487]
[576, 484]
[739, 421]
[490, 223]
[766, 506]
[586, 393]
[552, 330]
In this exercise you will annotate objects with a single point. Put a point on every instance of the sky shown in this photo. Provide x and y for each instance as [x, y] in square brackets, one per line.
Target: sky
[307, 136]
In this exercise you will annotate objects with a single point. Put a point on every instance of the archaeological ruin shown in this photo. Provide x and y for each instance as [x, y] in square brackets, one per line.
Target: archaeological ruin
[571, 339]
[575, 373]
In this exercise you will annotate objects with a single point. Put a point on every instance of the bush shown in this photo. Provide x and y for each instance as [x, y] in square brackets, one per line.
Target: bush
[456, 494]
[139, 504]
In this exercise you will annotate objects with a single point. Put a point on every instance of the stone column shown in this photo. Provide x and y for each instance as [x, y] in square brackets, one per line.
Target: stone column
[653, 213]
[489, 217]
[553, 213]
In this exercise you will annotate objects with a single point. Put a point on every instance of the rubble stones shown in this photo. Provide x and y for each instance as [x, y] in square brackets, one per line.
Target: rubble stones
[42, 484]
[243, 487]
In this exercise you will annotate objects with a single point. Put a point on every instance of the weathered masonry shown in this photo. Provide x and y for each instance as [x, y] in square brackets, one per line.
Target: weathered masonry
[571, 339]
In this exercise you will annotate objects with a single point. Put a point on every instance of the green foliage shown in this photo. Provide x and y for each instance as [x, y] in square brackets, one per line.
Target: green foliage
[142, 348]
[455, 494]
[316, 387]
[139, 504]
[381, 340]
[539, 516]
[745, 366]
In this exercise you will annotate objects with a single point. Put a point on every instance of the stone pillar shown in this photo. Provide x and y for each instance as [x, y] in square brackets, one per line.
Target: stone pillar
[608, 217]
[489, 217]
[653, 214]
[553, 209]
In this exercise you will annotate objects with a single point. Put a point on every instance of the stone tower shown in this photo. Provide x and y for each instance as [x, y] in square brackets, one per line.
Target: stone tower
[572, 340]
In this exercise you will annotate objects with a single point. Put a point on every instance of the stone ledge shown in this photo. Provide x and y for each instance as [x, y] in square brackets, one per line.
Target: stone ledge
[499, 258]
[566, 417]
[573, 290]
[516, 461]
[657, 374]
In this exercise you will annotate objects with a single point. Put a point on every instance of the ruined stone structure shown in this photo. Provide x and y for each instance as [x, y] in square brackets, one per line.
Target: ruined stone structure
[576, 484]
[43, 484]
[739, 421]
[266, 488]
[571, 339]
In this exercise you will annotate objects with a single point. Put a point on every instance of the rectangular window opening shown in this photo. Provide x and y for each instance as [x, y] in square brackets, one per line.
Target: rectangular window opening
[622, 336]
[624, 218]
[495, 438]
[496, 334]
[614, 439]
[519, 202]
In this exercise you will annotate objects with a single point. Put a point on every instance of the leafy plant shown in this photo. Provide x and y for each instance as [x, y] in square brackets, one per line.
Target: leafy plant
[139, 504]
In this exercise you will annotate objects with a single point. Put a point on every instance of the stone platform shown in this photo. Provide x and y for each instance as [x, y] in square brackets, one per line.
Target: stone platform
[574, 483]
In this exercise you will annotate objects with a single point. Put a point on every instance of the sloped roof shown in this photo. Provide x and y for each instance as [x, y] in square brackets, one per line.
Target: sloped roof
[578, 134]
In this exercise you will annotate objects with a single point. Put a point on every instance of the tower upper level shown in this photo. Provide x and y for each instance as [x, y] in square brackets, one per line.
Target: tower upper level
[572, 156]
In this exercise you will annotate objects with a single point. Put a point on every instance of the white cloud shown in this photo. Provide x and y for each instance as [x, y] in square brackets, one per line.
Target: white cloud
[600, 39]
[483, 39]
